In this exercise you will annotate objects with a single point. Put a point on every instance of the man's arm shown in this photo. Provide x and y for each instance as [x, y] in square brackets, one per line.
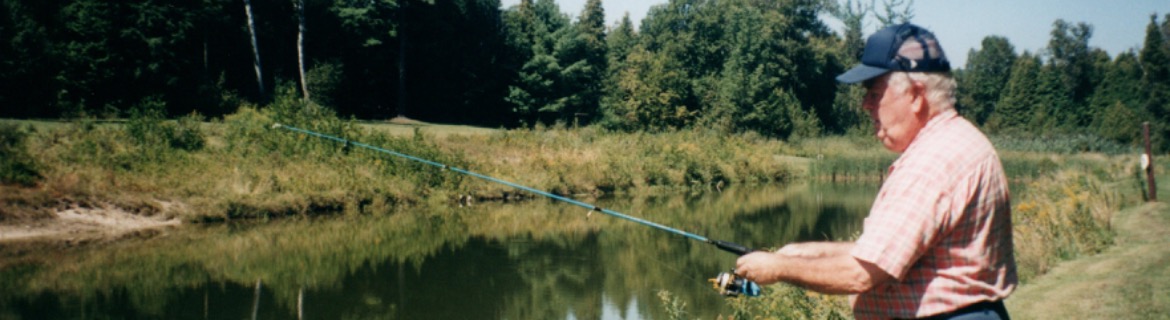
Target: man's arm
[825, 267]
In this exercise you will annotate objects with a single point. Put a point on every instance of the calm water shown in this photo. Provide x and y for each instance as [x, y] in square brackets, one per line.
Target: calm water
[533, 260]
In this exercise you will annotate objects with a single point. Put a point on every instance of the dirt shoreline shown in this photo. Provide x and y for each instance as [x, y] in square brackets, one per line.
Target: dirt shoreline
[80, 225]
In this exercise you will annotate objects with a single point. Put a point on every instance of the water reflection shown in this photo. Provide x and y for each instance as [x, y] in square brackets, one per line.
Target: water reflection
[534, 260]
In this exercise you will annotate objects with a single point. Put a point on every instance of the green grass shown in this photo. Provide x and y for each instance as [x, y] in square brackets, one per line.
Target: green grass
[1126, 281]
[239, 167]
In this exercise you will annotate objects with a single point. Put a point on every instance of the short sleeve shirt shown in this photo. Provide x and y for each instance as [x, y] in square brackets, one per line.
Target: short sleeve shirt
[940, 225]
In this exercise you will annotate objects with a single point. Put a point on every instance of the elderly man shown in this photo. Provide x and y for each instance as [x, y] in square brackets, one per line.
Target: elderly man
[937, 243]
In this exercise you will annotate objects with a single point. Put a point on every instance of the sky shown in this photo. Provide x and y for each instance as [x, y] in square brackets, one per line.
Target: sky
[961, 25]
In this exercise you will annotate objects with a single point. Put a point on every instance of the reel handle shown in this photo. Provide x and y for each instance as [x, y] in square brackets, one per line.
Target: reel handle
[730, 285]
[727, 283]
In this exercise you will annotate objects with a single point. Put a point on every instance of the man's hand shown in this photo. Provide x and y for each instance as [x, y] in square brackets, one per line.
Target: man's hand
[760, 267]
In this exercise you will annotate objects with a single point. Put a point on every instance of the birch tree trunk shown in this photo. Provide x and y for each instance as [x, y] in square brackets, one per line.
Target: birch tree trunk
[255, 47]
[300, 6]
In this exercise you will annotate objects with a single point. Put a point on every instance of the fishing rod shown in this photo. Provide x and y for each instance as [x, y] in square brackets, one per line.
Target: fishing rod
[727, 283]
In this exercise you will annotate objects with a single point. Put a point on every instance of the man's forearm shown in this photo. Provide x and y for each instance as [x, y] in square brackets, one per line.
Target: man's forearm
[816, 249]
[826, 267]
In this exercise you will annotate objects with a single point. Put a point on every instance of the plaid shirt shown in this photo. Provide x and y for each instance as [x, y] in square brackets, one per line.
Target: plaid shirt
[941, 226]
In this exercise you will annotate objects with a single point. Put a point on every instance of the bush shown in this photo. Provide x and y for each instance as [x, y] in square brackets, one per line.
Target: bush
[324, 80]
[149, 128]
[16, 165]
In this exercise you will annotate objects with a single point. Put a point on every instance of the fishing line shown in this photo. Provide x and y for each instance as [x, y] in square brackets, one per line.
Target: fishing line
[728, 246]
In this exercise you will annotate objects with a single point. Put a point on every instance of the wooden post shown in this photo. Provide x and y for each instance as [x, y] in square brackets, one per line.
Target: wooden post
[1148, 164]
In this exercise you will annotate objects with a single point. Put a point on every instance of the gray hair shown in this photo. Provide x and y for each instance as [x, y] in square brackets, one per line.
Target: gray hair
[940, 87]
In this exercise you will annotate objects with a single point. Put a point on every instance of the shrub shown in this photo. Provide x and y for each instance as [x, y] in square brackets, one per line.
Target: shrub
[150, 129]
[16, 165]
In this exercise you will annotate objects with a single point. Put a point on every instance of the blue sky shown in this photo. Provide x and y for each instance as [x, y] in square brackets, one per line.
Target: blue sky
[962, 25]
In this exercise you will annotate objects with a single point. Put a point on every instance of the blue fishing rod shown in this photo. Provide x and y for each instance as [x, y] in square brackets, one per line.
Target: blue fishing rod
[727, 283]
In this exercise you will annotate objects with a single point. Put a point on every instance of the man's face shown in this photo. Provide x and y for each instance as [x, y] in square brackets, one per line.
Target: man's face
[897, 113]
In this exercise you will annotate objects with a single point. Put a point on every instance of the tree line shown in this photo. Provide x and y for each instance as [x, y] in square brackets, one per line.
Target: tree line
[763, 66]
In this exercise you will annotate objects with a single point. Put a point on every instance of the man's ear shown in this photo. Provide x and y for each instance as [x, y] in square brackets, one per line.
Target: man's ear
[920, 105]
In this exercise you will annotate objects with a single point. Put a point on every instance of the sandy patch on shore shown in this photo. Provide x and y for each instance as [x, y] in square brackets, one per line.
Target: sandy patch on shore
[79, 224]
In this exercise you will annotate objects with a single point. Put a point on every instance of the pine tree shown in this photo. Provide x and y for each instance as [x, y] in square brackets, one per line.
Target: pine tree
[27, 61]
[1117, 101]
[1071, 58]
[582, 52]
[1014, 111]
[985, 77]
[1155, 62]
[538, 27]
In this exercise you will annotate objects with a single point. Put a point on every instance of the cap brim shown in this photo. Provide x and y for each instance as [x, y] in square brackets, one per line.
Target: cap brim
[861, 73]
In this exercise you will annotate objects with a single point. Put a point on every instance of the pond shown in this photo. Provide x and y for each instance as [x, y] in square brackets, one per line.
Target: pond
[530, 260]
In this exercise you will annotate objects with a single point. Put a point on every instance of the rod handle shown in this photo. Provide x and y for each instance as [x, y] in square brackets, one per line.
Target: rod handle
[737, 249]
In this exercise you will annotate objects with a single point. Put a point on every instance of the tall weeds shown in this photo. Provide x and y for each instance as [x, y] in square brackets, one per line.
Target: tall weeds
[1060, 217]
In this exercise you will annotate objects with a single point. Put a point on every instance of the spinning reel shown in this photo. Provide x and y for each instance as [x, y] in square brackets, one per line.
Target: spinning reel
[730, 285]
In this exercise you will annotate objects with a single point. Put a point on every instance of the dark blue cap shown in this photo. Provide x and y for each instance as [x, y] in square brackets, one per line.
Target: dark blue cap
[902, 47]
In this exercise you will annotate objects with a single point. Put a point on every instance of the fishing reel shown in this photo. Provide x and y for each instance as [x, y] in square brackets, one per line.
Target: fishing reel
[730, 285]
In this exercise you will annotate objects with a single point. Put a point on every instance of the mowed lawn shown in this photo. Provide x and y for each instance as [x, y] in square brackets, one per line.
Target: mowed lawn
[1130, 280]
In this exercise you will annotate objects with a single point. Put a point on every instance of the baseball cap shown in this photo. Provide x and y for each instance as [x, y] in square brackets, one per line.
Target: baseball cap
[902, 47]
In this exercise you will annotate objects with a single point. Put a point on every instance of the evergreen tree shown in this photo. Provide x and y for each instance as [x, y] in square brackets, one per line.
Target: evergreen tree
[1017, 104]
[582, 52]
[1118, 100]
[1071, 58]
[459, 63]
[536, 28]
[117, 54]
[27, 87]
[985, 77]
[621, 40]
[846, 115]
[760, 78]
[368, 56]
[1155, 62]
[1054, 106]
[763, 66]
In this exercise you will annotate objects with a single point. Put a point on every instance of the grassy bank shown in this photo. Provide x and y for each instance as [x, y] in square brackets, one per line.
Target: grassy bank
[239, 167]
